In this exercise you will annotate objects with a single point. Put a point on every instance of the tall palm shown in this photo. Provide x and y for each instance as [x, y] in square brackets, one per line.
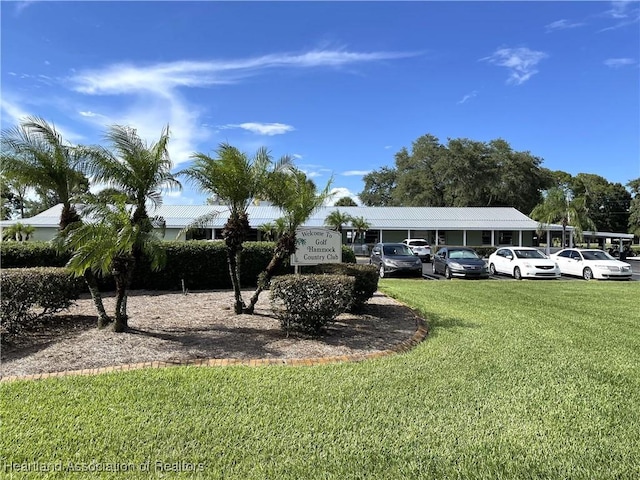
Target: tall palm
[107, 247]
[298, 198]
[236, 180]
[337, 219]
[35, 152]
[140, 170]
[558, 207]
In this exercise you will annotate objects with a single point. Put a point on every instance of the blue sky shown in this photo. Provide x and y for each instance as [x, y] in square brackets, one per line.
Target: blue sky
[339, 86]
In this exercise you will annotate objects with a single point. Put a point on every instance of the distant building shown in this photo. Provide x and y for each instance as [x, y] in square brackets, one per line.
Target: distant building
[474, 226]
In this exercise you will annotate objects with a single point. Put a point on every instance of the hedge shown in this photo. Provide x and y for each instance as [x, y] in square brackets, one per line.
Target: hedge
[201, 264]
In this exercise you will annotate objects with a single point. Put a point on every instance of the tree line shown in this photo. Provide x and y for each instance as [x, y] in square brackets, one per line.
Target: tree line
[469, 173]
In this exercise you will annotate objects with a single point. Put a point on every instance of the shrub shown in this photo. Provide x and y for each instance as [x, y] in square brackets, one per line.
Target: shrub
[348, 256]
[31, 254]
[308, 303]
[366, 280]
[31, 293]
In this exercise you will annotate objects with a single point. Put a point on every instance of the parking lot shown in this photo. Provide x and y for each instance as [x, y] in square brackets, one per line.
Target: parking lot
[427, 272]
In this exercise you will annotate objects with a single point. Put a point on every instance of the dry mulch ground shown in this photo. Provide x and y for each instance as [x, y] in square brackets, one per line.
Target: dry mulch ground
[170, 326]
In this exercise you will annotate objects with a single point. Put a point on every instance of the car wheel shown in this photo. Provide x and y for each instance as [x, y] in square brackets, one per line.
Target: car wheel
[447, 273]
[587, 274]
[492, 269]
[517, 274]
[381, 271]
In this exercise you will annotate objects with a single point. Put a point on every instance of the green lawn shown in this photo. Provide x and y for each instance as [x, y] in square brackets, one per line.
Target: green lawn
[533, 379]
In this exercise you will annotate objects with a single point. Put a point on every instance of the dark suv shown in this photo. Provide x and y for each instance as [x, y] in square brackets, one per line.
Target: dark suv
[395, 258]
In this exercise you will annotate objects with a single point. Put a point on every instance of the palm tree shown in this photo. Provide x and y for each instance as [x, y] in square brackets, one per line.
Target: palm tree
[140, 170]
[35, 153]
[268, 231]
[18, 232]
[298, 198]
[558, 207]
[236, 180]
[336, 219]
[360, 225]
[107, 247]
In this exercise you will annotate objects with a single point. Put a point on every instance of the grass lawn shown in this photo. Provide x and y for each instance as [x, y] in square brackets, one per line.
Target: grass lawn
[533, 379]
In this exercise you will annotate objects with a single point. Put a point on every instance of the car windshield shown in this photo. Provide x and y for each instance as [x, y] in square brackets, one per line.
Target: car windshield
[418, 243]
[596, 255]
[463, 254]
[529, 254]
[396, 250]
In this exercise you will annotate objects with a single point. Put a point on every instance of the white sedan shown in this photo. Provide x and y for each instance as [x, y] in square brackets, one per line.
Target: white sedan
[591, 263]
[522, 262]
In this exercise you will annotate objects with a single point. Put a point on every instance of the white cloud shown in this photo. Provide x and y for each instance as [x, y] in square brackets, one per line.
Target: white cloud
[156, 98]
[520, 61]
[355, 173]
[127, 78]
[624, 13]
[388, 147]
[339, 192]
[619, 62]
[89, 114]
[269, 129]
[11, 111]
[562, 24]
[296, 156]
[467, 97]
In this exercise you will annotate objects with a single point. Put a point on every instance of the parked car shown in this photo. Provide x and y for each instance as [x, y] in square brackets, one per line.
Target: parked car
[459, 262]
[523, 262]
[420, 247]
[591, 263]
[395, 258]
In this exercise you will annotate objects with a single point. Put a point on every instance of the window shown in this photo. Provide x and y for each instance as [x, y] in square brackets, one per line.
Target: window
[200, 234]
[486, 237]
[505, 238]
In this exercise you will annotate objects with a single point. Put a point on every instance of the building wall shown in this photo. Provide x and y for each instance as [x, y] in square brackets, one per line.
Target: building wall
[43, 234]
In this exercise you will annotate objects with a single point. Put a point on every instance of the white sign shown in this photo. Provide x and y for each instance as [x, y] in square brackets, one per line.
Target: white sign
[317, 245]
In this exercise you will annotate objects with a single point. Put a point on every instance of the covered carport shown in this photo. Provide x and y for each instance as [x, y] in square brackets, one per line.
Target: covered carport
[601, 238]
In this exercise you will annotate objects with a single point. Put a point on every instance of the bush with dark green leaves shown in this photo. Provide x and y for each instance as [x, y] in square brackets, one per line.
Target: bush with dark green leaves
[193, 265]
[366, 280]
[348, 256]
[31, 254]
[29, 294]
[308, 303]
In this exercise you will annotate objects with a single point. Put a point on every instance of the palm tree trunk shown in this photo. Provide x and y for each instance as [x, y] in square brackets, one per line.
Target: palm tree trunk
[285, 247]
[121, 323]
[92, 283]
[122, 272]
[233, 260]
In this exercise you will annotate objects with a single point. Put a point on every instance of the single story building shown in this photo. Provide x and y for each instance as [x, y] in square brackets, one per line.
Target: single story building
[474, 226]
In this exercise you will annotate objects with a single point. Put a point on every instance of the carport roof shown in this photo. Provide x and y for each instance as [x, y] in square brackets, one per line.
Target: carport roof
[379, 218]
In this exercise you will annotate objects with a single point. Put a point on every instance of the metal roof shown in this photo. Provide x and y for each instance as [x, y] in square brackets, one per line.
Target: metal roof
[379, 218]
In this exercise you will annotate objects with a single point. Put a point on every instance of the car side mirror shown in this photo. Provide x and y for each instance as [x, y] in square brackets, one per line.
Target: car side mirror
[510, 257]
